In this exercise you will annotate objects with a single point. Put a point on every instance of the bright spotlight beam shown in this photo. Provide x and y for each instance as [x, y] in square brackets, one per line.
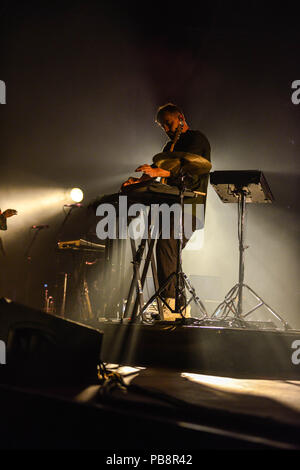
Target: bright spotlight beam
[76, 195]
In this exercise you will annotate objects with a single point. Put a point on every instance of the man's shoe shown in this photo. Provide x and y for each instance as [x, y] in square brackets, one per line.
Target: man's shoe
[173, 316]
[168, 315]
[187, 311]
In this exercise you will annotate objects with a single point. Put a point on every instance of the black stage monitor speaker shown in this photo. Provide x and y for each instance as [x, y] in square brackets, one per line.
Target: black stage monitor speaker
[41, 348]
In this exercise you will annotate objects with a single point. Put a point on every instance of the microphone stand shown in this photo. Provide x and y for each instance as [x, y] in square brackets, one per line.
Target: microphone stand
[28, 258]
[180, 298]
[67, 216]
[65, 274]
[182, 280]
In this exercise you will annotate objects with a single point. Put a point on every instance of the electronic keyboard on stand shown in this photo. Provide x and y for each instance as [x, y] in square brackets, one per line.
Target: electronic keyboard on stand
[81, 245]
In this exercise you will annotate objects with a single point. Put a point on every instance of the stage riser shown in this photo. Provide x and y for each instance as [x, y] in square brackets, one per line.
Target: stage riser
[74, 350]
[204, 350]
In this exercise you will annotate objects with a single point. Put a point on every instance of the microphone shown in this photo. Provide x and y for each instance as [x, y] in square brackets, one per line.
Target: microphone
[73, 205]
[40, 227]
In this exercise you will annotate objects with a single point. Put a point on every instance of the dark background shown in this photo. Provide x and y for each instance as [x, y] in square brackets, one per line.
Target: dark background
[84, 80]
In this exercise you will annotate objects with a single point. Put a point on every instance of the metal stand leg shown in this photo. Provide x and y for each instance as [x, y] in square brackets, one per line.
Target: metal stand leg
[155, 278]
[149, 259]
[138, 279]
[63, 304]
[195, 297]
[108, 272]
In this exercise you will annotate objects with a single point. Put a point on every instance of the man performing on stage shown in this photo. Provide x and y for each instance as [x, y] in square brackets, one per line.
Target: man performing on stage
[182, 139]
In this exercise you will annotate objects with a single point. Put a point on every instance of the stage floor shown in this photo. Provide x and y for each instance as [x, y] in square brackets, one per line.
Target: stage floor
[161, 409]
[186, 387]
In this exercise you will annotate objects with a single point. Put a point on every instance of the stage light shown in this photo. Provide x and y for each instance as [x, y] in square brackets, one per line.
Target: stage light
[76, 195]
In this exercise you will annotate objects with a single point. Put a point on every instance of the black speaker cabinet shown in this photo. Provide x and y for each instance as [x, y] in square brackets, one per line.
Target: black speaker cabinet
[41, 348]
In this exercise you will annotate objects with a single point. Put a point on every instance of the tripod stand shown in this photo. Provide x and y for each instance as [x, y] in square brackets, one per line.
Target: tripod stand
[182, 280]
[233, 301]
[29, 263]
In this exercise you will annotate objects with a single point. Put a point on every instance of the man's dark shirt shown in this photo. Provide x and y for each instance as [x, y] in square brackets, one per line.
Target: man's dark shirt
[197, 143]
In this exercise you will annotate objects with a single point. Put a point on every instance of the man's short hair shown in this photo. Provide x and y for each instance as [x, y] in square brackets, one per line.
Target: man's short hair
[167, 108]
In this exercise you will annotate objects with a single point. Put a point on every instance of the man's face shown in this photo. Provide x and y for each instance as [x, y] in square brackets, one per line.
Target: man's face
[170, 122]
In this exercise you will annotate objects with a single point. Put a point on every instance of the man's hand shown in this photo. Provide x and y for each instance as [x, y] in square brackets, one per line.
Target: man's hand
[154, 172]
[148, 174]
[9, 213]
[130, 181]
